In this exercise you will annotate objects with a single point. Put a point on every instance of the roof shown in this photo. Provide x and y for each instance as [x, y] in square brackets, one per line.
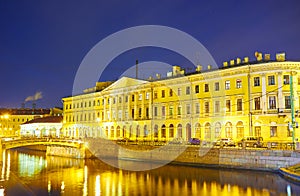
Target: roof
[48, 119]
[24, 111]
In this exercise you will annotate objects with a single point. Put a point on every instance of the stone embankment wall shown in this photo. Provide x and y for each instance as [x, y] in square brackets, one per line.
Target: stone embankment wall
[65, 152]
[258, 159]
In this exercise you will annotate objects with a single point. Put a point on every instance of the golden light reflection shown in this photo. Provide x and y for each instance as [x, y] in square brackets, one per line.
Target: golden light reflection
[49, 186]
[62, 187]
[85, 184]
[97, 186]
[3, 165]
[8, 166]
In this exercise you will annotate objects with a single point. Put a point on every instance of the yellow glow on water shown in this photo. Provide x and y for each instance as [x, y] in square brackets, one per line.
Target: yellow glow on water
[62, 187]
[49, 186]
[85, 184]
[97, 186]
[8, 166]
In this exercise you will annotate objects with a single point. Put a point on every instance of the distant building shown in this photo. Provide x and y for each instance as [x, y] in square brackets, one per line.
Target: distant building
[12, 118]
[49, 126]
[237, 100]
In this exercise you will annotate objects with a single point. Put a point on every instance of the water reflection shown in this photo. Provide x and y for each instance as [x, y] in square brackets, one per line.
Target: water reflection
[37, 174]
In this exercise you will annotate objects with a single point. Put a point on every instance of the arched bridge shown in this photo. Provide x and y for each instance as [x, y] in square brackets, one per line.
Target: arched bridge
[8, 144]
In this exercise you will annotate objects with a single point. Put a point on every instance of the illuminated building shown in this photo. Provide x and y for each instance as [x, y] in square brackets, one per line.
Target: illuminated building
[11, 119]
[237, 100]
[42, 127]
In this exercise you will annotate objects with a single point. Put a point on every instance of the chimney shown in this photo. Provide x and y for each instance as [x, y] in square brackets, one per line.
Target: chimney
[238, 61]
[246, 60]
[267, 57]
[231, 62]
[225, 64]
[199, 68]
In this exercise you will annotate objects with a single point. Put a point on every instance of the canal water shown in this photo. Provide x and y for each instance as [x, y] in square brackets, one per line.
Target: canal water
[33, 173]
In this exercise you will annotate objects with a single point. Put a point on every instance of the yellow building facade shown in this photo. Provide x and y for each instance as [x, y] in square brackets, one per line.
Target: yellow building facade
[231, 102]
[11, 119]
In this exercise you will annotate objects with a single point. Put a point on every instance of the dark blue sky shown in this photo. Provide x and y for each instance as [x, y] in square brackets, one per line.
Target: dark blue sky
[42, 43]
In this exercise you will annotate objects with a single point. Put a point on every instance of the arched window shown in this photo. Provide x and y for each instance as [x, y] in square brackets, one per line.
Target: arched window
[145, 131]
[228, 130]
[106, 131]
[124, 131]
[188, 131]
[240, 130]
[118, 132]
[197, 130]
[112, 132]
[163, 131]
[179, 131]
[171, 131]
[207, 131]
[217, 130]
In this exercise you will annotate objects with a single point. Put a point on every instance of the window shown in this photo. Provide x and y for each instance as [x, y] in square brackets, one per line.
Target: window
[147, 95]
[163, 93]
[197, 108]
[114, 100]
[140, 112]
[197, 89]
[155, 111]
[188, 109]
[272, 102]
[120, 99]
[132, 113]
[239, 104]
[217, 106]
[132, 97]
[217, 86]
[271, 80]
[187, 90]
[147, 112]
[163, 111]
[286, 79]
[170, 93]
[257, 103]
[179, 110]
[228, 106]
[257, 131]
[140, 97]
[155, 95]
[179, 91]
[238, 83]
[206, 107]
[273, 131]
[227, 85]
[171, 111]
[287, 102]
[256, 81]
[206, 88]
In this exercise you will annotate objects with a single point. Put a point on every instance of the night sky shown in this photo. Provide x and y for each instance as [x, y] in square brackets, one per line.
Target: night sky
[42, 43]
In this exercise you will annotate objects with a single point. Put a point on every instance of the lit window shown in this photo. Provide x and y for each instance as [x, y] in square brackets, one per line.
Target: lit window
[188, 109]
[147, 95]
[179, 110]
[170, 93]
[217, 106]
[187, 90]
[140, 97]
[197, 89]
[286, 79]
[197, 108]
[238, 83]
[272, 102]
[271, 80]
[257, 103]
[163, 93]
[206, 107]
[228, 106]
[163, 111]
[227, 85]
[287, 102]
[179, 91]
[239, 104]
[256, 81]
[155, 95]
[273, 131]
[206, 88]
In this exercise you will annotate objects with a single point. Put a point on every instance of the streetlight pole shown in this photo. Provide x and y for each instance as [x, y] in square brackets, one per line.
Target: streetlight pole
[292, 109]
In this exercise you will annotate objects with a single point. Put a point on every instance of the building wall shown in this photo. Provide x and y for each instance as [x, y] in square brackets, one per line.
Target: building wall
[237, 101]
